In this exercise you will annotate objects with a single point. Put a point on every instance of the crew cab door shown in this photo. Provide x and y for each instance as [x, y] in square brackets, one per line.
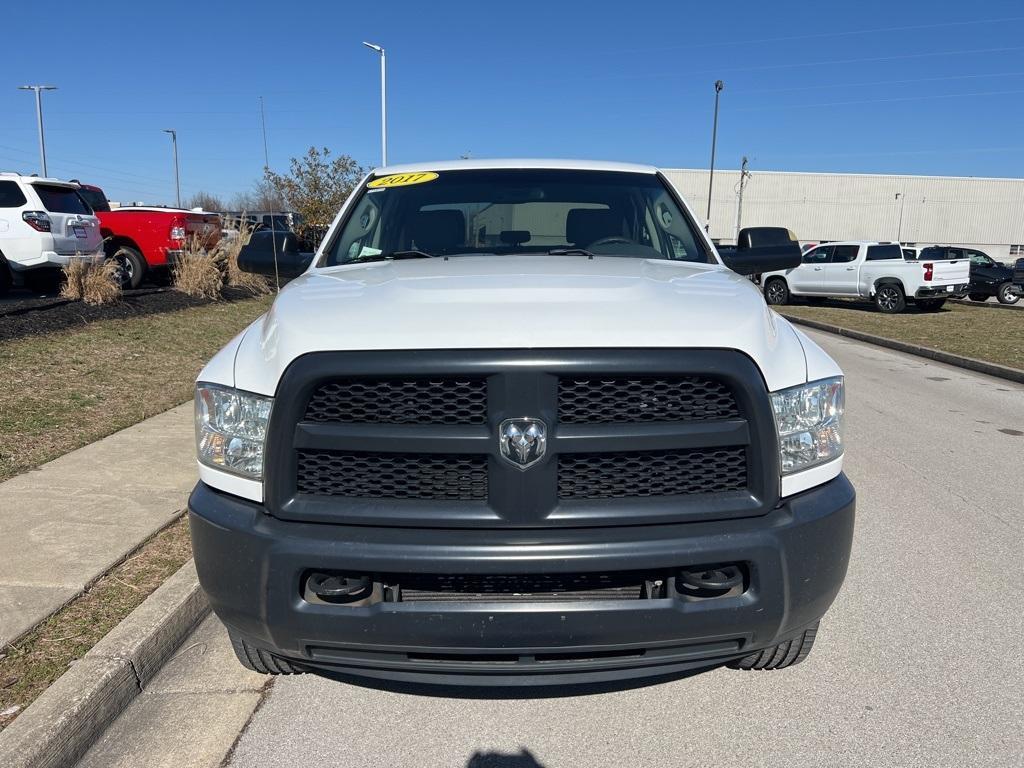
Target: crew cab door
[72, 224]
[985, 272]
[841, 271]
[809, 277]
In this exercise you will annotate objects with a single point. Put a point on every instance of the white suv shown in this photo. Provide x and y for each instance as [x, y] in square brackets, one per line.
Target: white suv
[44, 223]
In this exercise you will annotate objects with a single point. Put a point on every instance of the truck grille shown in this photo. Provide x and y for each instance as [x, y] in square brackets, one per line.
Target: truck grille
[538, 588]
[392, 476]
[658, 473]
[626, 401]
[400, 401]
[411, 438]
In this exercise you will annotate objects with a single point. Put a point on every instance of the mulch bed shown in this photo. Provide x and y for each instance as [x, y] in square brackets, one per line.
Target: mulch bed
[34, 316]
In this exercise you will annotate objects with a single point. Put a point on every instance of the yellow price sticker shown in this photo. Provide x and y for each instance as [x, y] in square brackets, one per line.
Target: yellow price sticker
[402, 179]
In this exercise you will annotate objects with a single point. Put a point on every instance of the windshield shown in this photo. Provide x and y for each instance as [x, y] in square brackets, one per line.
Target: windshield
[456, 213]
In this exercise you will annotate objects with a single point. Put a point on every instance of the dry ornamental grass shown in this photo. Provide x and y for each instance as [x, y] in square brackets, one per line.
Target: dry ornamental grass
[204, 273]
[93, 281]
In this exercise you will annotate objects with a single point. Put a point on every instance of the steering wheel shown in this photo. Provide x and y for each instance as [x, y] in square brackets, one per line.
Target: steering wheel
[611, 240]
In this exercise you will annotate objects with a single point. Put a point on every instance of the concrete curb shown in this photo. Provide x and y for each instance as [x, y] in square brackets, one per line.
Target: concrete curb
[970, 363]
[59, 726]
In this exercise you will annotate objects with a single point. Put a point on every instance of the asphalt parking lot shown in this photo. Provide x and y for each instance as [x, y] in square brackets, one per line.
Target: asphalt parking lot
[917, 664]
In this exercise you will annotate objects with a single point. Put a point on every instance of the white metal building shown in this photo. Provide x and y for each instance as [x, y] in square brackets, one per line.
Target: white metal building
[984, 213]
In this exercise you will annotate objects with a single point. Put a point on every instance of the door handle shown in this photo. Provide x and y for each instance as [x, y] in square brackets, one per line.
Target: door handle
[818, 269]
[850, 269]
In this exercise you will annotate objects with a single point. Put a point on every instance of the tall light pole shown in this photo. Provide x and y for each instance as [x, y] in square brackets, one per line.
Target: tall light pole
[383, 102]
[39, 117]
[719, 85]
[744, 175]
[899, 227]
[174, 143]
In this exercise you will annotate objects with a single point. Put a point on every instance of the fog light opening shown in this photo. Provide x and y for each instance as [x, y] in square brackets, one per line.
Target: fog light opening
[712, 581]
[321, 587]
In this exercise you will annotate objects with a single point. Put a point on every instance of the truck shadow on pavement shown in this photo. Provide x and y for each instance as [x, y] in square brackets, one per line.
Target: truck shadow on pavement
[523, 759]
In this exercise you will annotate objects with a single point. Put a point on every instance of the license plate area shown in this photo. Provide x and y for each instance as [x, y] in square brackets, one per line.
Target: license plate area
[80, 232]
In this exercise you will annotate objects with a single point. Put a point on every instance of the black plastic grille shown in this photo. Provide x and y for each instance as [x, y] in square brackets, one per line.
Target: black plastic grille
[400, 401]
[392, 475]
[535, 588]
[654, 473]
[623, 401]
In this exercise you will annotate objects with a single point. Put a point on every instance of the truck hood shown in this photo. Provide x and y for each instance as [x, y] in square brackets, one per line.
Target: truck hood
[518, 302]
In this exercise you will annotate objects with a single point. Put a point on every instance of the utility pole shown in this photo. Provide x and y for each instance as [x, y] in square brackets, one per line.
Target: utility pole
[39, 118]
[174, 144]
[383, 102]
[744, 175]
[719, 85]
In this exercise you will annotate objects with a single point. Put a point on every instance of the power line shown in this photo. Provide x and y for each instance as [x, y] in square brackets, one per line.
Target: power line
[878, 101]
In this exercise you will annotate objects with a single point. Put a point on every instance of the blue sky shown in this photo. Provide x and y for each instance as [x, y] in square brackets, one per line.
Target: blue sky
[911, 87]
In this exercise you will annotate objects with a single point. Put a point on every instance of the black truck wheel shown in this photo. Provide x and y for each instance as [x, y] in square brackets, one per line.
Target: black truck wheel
[889, 298]
[1006, 294]
[979, 296]
[931, 305]
[782, 655]
[131, 265]
[776, 292]
[261, 661]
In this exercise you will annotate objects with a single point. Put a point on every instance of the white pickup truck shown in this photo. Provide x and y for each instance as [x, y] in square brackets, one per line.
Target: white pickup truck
[869, 270]
[517, 424]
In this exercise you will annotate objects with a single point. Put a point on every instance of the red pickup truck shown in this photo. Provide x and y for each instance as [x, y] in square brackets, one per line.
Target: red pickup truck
[146, 240]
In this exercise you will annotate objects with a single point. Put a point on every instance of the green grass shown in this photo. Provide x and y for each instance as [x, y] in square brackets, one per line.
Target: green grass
[64, 390]
[994, 335]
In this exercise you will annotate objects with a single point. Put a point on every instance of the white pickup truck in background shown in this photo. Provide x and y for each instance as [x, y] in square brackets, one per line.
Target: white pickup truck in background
[869, 270]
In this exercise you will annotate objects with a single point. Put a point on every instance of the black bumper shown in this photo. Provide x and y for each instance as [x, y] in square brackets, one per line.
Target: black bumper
[252, 568]
[958, 292]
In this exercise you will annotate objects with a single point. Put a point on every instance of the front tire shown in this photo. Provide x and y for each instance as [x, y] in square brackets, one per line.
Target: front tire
[1006, 294]
[782, 655]
[131, 265]
[776, 292]
[261, 661]
[889, 299]
[931, 305]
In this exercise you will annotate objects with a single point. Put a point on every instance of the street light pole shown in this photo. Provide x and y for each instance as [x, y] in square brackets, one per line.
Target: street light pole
[177, 182]
[719, 85]
[383, 102]
[899, 227]
[39, 117]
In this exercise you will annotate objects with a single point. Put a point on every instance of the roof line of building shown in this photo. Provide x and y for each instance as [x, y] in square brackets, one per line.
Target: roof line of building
[843, 173]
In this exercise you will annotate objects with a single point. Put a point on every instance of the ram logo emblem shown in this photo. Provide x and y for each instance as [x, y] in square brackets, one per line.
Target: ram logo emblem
[523, 441]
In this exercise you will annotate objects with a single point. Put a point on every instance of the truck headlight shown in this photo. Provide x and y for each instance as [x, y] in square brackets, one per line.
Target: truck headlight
[809, 419]
[231, 428]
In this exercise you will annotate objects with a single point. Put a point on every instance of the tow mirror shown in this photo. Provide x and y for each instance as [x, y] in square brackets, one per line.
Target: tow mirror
[259, 254]
[763, 249]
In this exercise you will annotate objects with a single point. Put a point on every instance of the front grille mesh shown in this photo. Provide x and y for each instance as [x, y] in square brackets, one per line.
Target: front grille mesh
[400, 401]
[527, 588]
[392, 475]
[654, 473]
[624, 401]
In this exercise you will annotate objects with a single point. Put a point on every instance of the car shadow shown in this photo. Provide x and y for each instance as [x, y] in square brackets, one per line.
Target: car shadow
[866, 306]
[523, 759]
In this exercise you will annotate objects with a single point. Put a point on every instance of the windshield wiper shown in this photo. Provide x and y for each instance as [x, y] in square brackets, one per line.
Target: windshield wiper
[397, 256]
[571, 252]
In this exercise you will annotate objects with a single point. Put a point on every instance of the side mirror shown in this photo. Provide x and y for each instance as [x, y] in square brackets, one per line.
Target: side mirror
[763, 249]
[258, 255]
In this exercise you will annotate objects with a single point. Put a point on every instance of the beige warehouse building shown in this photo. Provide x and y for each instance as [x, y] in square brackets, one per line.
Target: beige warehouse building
[984, 213]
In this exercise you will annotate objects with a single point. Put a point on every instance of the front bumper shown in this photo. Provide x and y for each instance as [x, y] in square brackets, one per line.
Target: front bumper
[252, 567]
[942, 292]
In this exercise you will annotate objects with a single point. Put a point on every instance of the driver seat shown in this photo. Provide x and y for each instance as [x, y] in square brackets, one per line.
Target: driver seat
[585, 225]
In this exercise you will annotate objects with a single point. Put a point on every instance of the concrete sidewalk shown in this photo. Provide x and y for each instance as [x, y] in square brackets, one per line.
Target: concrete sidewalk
[69, 521]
